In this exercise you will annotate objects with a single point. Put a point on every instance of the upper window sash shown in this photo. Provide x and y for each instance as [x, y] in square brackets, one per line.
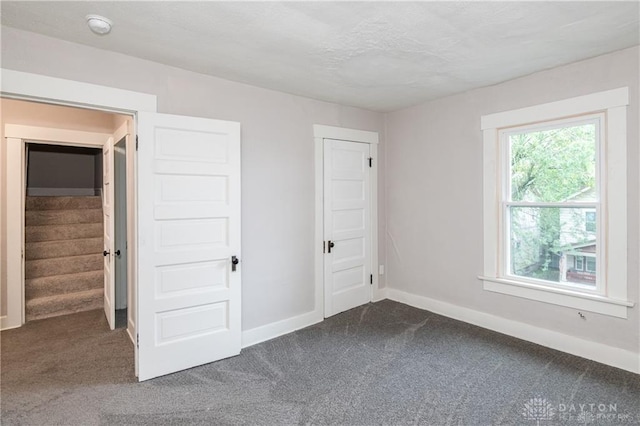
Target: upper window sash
[504, 134]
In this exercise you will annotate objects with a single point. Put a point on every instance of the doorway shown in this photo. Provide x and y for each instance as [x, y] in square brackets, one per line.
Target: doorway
[68, 238]
[63, 230]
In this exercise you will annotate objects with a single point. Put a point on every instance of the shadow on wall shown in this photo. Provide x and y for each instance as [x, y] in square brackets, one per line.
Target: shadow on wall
[54, 170]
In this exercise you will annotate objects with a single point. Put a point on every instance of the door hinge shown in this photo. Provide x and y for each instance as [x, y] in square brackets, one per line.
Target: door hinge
[137, 340]
[324, 247]
[370, 161]
[136, 142]
[371, 279]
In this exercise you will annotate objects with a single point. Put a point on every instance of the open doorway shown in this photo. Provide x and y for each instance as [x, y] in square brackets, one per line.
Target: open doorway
[63, 230]
[65, 185]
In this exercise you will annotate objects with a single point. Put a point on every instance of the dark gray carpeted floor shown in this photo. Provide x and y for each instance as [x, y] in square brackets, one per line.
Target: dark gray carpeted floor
[383, 363]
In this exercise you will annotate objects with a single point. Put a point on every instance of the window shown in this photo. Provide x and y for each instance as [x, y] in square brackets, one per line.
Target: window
[555, 203]
[551, 177]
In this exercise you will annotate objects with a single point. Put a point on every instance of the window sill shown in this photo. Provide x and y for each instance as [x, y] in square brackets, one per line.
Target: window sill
[557, 296]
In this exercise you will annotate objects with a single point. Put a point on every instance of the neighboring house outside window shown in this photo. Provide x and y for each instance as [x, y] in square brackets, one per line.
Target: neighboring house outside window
[574, 251]
[590, 221]
[555, 202]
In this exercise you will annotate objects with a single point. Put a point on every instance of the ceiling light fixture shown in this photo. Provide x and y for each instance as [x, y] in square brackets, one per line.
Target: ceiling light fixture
[99, 24]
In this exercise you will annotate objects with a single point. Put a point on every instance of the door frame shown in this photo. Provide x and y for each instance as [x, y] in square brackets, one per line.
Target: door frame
[17, 136]
[56, 91]
[320, 133]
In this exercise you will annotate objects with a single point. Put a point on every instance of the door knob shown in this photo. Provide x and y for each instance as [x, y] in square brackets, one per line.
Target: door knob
[106, 253]
[118, 252]
[234, 262]
[331, 245]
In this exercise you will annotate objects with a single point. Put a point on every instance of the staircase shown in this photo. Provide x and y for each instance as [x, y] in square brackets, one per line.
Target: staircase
[63, 256]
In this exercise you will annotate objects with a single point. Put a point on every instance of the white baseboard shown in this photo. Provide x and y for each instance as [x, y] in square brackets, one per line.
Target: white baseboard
[615, 357]
[379, 295]
[5, 324]
[271, 331]
[276, 329]
[61, 192]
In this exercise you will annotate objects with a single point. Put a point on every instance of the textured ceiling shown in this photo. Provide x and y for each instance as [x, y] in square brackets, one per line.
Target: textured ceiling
[376, 55]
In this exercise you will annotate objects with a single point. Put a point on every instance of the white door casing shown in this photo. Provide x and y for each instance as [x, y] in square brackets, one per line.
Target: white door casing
[347, 225]
[15, 315]
[108, 215]
[189, 229]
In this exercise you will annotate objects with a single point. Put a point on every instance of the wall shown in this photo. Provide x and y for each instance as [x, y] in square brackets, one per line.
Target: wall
[36, 114]
[434, 196]
[57, 170]
[277, 157]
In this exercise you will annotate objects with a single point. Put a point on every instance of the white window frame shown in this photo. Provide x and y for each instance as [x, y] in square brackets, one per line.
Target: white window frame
[612, 298]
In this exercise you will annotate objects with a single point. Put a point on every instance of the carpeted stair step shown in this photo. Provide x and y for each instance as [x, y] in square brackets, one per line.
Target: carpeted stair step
[62, 217]
[62, 232]
[63, 304]
[63, 284]
[64, 248]
[63, 203]
[63, 266]
[63, 255]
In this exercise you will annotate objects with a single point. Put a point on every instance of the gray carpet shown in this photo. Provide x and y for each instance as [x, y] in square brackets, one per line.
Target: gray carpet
[121, 318]
[383, 363]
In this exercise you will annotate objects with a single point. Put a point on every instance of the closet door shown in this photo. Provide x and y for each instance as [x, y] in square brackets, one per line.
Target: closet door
[347, 225]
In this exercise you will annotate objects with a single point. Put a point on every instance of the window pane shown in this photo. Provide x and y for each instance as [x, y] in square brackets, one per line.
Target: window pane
[551, 243]
[554, 165]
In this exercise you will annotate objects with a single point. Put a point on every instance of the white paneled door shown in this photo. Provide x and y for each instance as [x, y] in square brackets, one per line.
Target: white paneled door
[108, 232]
[347, 225]
[189, 242]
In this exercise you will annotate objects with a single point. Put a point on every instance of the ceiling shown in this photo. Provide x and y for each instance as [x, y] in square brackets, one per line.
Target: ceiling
[375, 55]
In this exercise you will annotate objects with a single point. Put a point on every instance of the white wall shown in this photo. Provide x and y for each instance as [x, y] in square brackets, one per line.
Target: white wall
[434, 196]
[277, 157]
